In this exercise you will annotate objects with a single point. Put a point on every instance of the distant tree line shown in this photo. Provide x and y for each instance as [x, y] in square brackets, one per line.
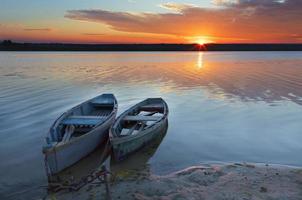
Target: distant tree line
[8, 45]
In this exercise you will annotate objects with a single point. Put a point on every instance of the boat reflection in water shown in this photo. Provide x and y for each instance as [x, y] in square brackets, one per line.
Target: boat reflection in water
[84, 167]
[136, 164]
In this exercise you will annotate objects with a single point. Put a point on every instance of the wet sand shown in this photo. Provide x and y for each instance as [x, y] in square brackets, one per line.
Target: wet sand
[229, 181]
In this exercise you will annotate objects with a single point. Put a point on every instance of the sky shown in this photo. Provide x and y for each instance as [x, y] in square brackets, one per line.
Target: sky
[156, 21]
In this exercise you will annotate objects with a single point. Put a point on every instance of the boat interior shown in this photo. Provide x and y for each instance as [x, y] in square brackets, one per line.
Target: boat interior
[140, 118]
[84, 118]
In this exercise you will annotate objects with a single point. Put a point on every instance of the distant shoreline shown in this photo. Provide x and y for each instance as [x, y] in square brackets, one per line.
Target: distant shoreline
[11, 46]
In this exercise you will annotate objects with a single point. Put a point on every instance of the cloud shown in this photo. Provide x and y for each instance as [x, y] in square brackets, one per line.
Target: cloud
[244, 3]
[93, 34]
[225, 2]
[37, 29]
[178, 7]
[252, 20]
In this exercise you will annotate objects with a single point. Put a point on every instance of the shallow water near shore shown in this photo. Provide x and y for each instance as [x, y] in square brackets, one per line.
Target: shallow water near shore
[224, 106]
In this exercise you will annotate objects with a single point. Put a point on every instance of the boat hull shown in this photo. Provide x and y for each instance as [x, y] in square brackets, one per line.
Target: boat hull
[64, 155]
[123, 147]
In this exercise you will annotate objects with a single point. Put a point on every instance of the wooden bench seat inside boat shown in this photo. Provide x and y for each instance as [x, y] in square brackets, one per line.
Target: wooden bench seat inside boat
[152, 107]
[102, 102]
[126, 132]
[133, 130]
[83, 120]
[141, 118]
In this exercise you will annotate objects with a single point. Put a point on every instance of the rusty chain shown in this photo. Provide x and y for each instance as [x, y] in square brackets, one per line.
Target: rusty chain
[101, 175]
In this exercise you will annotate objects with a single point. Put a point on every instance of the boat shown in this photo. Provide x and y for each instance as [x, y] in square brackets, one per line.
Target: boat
[77, 132]
[137, 126]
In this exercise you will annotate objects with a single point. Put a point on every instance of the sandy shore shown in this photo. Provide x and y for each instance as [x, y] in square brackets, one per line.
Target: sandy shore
[233, 181]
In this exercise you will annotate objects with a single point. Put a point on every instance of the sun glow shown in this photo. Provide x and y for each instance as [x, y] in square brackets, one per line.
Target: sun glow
[201, 40]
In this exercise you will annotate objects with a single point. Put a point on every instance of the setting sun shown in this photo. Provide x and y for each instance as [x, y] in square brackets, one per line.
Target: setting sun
[201, 40]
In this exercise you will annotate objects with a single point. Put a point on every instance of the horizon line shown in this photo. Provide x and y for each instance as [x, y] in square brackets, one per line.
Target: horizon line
[163, 43]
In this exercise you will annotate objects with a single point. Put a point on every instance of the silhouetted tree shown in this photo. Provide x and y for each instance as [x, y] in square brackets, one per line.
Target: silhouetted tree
[7, 42]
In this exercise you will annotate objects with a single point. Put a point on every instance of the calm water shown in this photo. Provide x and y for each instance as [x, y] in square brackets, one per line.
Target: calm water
[224, 107]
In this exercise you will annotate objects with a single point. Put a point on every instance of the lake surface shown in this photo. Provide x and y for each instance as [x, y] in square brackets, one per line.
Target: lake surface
[224, 106]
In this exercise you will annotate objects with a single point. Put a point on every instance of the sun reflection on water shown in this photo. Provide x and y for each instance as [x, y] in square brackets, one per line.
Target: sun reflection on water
[200, 60]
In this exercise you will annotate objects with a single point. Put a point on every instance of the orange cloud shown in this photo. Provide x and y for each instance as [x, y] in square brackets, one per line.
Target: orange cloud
[231, 21]
[37, 29]
[94, 34]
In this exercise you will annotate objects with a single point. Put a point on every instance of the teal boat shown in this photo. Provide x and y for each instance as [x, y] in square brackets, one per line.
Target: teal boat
[137, 126]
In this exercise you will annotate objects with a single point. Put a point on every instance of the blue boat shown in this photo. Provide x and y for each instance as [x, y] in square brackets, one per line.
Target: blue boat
[77, 132]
